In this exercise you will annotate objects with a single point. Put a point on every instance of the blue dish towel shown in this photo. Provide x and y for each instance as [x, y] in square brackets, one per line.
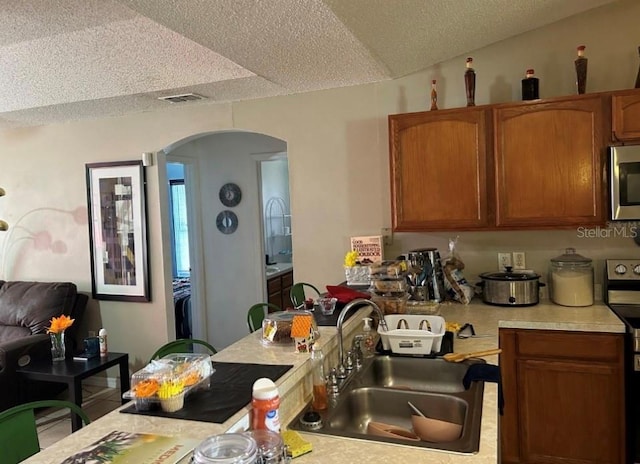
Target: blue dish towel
[485, 373]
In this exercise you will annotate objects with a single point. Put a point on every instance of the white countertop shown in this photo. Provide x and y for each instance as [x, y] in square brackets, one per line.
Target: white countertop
[486, 321]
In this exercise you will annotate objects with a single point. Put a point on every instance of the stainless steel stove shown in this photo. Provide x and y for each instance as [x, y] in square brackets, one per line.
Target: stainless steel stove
[622, 294]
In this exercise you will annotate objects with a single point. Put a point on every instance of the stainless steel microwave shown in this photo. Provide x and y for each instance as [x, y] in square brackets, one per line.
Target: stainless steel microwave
[624, 183]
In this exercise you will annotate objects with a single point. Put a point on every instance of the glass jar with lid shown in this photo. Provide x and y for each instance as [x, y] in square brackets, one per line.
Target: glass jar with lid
[228, 448]
[571, 279]
[271, 447]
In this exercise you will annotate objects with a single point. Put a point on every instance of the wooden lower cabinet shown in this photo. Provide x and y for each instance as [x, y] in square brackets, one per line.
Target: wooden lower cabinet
[278, 289]
[564, 397]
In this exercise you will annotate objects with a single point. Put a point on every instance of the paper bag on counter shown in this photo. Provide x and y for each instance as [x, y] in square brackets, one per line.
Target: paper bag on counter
[456, 285]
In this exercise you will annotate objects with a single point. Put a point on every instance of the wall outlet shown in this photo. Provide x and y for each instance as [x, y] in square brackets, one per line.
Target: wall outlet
[387, 236]
[504, 260]
[518, 260]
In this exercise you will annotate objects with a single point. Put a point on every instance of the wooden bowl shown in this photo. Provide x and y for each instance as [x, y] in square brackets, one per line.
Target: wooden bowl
[434, 430]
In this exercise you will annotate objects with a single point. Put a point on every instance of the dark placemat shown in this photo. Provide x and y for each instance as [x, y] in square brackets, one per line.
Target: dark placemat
[229, 391]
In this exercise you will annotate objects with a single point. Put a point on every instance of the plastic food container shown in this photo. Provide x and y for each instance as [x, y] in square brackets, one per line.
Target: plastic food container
[571, 279]
[167, 381]
[391, 304]
[388, 287]
[276, 327]
[412, 334]
[394, 269]
[426, 308]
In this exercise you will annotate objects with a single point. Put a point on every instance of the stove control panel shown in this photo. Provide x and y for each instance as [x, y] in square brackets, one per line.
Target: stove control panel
[623, 269]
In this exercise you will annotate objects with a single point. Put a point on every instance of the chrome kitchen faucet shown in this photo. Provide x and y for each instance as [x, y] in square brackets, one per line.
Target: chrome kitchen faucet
[341, 366]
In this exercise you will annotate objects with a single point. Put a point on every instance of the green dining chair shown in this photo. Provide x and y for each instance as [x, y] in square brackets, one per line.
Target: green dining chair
[297, 294]
[181, 345]
[19, 431]
[257, 313]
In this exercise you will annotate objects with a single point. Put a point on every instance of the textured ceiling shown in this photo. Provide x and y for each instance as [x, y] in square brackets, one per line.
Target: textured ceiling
[72, 59]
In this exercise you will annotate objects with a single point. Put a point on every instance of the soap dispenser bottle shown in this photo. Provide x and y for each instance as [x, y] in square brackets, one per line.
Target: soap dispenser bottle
[368, 339]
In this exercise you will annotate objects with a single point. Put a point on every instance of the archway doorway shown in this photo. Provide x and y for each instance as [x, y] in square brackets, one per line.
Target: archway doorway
[230, 273]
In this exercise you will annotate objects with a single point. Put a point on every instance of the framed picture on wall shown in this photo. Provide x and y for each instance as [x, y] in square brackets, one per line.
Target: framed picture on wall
[118, 231]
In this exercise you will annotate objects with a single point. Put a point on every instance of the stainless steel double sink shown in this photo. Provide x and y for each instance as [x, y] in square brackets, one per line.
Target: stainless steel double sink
[380, 392]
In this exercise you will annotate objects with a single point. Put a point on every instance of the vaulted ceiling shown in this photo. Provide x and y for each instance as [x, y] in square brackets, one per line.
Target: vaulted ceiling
[72, 59]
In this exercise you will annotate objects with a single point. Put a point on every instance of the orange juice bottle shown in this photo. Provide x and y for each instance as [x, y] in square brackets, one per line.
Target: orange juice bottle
[320, 400]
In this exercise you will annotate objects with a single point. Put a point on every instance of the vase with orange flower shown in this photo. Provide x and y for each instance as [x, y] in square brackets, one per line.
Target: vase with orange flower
[56, 332]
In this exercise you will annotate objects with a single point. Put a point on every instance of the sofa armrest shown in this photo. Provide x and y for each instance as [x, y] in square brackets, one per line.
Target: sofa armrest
[19, 352]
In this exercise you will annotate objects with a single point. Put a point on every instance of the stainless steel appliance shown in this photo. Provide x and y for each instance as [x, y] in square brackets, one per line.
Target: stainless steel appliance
[622, 294]
[624, 183]
[511, 288]
[425, 277]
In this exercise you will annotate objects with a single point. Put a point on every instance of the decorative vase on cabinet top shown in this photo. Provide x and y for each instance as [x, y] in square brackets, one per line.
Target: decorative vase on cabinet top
[530, 86]
[581, 70]
[470, 83]
[434, 95]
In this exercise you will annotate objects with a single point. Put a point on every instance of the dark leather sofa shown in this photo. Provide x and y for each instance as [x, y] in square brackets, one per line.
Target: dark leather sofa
[25, 311]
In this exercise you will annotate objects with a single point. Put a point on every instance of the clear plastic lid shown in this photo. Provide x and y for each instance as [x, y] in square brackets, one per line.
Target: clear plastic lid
[571, 259]
[228, 448]
[277, 327]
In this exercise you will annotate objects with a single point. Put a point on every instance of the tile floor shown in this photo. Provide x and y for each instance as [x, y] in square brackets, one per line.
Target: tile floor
[56, 424]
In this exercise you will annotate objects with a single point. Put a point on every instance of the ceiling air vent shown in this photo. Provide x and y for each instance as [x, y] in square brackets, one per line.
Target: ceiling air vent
[182, 98]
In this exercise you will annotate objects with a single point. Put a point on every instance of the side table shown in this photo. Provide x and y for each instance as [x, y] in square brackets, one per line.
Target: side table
[73, 372]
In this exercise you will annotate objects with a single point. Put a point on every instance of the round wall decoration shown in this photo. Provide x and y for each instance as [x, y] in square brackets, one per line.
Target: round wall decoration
[227, 222]
[230, 194]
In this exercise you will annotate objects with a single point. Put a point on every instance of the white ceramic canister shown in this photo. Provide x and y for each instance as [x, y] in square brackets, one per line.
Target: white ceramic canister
[571, 279]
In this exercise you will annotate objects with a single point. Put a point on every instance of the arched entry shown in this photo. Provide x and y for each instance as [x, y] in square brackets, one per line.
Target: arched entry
[228, 268]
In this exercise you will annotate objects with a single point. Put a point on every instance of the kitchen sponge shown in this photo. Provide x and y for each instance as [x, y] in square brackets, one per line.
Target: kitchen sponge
[296, 444]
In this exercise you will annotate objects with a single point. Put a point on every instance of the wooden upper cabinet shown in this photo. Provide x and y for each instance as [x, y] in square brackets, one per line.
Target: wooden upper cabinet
[438, 162]
[625, 113]
[549, 163]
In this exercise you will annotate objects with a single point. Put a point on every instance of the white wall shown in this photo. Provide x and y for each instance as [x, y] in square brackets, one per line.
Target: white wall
[43, 171]
[233, 275]
[337, 147]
